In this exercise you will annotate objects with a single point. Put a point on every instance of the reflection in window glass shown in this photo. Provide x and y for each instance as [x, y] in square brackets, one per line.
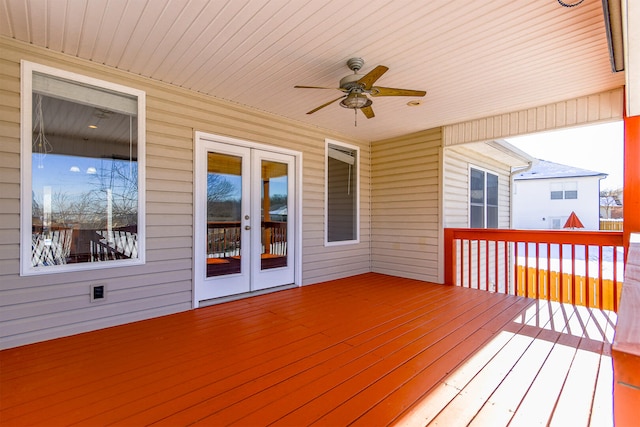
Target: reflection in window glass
[275, 181]
[492, 200]
[483, 199]
[84, 174]
[224, 203]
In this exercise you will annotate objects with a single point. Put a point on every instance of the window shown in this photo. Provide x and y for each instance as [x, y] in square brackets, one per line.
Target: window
[483, 199]
[342, 198]
[564, 190]
[82, 172]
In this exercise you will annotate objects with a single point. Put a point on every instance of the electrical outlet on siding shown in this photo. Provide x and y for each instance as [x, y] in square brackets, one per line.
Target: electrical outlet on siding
[98, 292]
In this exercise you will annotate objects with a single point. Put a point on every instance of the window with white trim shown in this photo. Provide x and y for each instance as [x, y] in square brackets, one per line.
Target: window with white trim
[564, 190]
[342, 194]
[82, 172]
[483, 199]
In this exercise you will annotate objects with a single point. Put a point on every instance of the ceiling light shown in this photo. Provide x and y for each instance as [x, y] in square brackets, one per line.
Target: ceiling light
[414, 103]
[356, 100]
[74, 169]
[91, 170]
[93, 127]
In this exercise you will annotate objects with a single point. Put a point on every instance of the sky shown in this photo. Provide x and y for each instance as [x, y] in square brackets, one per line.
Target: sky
[597, 147]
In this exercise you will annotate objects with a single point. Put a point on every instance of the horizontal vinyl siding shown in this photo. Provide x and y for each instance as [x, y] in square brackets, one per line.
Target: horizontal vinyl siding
[457, 161]
[405, 208]
[41, 307]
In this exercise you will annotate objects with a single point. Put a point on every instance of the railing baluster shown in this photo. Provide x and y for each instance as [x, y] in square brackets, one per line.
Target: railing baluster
[516, 282]
[574, 299]
[486, 265]
[506, 267]
[548, 288]
[526, 269]
[536, 280]
[478, 254]
[615, 277]
[495, 261]
[600, 289]
[461, 263]
[587, 290]
[561, 276]
[470, 267]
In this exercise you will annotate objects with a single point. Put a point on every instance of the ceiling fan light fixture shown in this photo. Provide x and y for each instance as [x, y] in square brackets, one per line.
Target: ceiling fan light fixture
[355, 101]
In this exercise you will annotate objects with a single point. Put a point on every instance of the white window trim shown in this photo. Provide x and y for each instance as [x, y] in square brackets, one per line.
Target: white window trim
[486, 171]
[26, 92]
[327, 142]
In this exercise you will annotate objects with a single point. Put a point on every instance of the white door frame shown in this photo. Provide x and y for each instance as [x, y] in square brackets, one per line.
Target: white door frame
[199, 215]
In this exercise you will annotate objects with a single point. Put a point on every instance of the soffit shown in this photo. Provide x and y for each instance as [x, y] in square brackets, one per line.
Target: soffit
[474, 59]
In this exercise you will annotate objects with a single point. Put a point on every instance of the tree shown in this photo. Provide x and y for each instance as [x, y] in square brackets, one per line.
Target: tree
[609, 199]
[222, 201]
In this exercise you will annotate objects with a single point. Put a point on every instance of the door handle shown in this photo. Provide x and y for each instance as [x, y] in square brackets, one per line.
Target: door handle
[247, 227]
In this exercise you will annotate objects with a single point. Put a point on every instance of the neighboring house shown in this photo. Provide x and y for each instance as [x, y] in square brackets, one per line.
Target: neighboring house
[545, 196]
[611, 204]
[477, 183]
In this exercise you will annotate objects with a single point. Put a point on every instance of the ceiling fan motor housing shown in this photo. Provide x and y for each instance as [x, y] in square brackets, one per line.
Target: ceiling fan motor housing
[349, 82]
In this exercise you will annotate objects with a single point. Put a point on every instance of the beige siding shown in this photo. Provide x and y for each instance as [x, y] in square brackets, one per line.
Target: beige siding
[405, 208]
[600, 107]
[457, 161]
[41, 307]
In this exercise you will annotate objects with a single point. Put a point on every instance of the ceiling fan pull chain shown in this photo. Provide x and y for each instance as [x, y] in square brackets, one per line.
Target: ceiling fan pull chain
[355, 119]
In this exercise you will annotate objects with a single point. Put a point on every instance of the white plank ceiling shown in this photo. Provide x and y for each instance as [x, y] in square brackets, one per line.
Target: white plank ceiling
[474, 58]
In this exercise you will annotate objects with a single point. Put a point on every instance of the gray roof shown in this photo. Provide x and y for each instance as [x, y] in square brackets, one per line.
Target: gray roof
[543, 169]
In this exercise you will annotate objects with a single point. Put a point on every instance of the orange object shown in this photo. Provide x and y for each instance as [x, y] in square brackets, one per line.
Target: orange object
[573, 221]
[217, 261]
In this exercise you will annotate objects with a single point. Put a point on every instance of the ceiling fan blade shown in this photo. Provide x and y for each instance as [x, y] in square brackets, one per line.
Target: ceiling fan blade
[317, 87]
[370, 78]
[368, 112]
[390, 91]
[324, 105]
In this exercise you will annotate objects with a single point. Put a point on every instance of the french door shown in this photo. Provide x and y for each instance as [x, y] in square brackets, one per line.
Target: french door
[245, 219]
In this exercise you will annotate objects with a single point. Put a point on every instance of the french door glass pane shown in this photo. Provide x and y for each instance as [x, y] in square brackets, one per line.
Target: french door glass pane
[274, 209]
[224, 197]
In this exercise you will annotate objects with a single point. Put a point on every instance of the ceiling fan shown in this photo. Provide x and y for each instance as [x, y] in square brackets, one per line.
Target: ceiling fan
[357, 86]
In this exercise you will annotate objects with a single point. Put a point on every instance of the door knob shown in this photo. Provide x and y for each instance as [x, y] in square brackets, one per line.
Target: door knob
[247, 227]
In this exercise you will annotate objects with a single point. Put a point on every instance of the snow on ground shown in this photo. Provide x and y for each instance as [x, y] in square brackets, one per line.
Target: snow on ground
[580, 259]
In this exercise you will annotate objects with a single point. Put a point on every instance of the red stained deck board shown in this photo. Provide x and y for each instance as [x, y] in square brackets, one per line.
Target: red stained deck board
[364, 349]
[362, 402]
[360, 356]
[404, 355]
[412, 392]
[381, 346]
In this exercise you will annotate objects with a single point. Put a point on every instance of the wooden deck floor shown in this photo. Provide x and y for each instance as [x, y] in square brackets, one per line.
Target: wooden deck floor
[368, 350]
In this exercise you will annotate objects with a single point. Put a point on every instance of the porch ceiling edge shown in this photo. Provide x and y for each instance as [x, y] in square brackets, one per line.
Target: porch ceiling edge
[600, 107]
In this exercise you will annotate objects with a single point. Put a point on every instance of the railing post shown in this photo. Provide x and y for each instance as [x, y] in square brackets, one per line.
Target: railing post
[449, 258]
